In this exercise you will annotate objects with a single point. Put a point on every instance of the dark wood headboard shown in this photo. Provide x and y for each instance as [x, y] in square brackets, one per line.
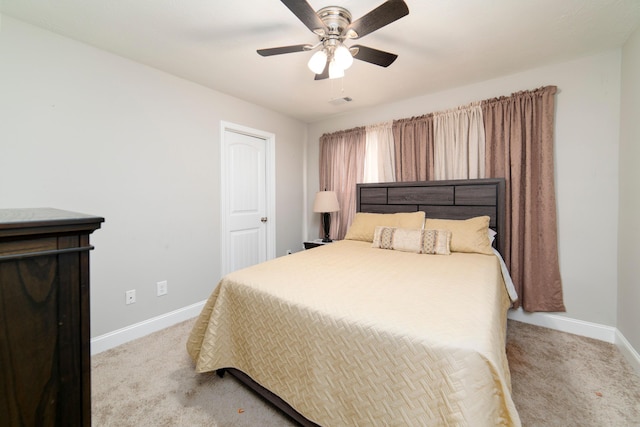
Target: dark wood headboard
[453, 199]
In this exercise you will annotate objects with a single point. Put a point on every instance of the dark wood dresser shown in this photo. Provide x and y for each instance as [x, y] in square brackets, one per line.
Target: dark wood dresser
[45, 360]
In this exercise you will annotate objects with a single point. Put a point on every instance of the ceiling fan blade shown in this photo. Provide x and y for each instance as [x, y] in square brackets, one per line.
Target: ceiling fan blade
[385, 14]
[307, 15]
[285, 49]
[374, 56]
[324, 74]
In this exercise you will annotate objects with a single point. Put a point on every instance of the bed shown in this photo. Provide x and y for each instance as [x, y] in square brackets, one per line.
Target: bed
[349, 334]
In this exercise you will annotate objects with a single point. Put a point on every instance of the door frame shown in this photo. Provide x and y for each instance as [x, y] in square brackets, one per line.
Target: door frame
[270, 187]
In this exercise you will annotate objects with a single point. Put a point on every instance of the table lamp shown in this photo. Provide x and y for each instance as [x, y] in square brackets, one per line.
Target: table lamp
[325, 203]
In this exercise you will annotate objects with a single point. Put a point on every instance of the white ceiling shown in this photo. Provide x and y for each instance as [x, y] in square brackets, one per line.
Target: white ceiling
[440, 44]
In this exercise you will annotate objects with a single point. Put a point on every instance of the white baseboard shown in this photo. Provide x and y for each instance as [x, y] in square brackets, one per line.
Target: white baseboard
[566, 324]
[628, 351]
[580, 327]
[113, 339]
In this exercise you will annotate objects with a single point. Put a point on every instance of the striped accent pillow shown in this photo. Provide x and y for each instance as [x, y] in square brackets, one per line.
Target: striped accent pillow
[412, 240]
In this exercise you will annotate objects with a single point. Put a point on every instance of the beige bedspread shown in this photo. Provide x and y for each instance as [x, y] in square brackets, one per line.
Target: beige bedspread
[349, 335]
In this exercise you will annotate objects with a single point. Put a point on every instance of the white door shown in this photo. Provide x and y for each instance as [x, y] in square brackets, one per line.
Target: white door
[247, 208]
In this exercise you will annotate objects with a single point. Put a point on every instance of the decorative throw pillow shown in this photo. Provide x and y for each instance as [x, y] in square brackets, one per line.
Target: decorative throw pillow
[469, 235]
[413, 240]
[364, 224]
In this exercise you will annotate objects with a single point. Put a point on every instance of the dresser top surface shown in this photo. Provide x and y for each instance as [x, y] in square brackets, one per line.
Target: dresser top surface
[43, 217]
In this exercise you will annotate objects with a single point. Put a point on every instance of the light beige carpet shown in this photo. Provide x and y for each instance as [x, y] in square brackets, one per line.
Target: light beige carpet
[558, 379]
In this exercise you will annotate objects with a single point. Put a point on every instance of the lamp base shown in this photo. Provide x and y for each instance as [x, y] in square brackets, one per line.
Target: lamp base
[326, 223]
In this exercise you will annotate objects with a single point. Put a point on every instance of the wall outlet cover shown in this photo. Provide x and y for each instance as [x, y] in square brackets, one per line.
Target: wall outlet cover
[161, 288]
[130, 297]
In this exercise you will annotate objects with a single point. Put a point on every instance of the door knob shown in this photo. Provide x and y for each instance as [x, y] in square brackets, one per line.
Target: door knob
[263, 219]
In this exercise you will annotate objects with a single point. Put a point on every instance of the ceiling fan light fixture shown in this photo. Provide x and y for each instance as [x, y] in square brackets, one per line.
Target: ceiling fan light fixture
[333, 25]
[318, 61]
[335, 70]
[342, 57]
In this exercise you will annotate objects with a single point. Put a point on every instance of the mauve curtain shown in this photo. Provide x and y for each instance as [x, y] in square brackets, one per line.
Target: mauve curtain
[413, 140]
[519, 146]
[341, 168]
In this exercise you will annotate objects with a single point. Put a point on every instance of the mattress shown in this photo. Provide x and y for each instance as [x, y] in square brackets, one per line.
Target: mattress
[349, 335]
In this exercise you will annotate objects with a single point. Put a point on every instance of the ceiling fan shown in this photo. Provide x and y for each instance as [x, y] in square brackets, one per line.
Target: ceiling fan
[333, 25]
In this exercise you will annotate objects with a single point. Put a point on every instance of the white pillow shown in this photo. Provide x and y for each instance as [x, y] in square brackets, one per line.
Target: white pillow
[492, 235]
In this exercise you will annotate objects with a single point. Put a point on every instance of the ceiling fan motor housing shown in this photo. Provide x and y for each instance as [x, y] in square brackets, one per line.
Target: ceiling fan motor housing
[336, 19]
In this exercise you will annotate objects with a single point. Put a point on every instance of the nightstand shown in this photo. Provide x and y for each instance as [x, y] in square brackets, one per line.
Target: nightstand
[314, 243]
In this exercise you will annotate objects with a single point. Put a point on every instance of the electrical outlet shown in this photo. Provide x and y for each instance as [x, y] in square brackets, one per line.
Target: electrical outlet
[130, 296]
[161, 288]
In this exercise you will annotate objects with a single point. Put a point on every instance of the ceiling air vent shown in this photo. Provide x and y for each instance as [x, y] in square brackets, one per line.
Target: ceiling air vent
[340, 101]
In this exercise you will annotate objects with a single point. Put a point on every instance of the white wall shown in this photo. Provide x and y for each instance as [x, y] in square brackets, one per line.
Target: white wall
[84, 130]
[587, 136]
[629, 229]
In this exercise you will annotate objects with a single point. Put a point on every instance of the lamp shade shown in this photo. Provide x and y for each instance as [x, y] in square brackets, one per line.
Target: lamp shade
[342, 56]
[318, 61]
[326, 201]
[335, 71]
